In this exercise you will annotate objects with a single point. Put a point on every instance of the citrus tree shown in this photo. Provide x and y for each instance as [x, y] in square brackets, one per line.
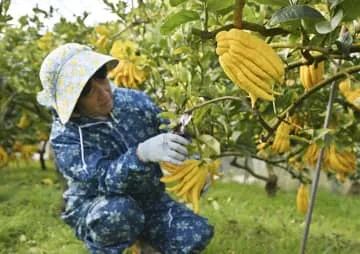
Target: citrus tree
[170, 50]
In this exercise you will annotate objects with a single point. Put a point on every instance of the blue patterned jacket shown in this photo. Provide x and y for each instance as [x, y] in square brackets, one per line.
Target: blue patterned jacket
[98, 157]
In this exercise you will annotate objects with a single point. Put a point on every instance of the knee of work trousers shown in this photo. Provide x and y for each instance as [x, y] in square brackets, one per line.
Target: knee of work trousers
[174, 229]
[112, 221]
[191, 234]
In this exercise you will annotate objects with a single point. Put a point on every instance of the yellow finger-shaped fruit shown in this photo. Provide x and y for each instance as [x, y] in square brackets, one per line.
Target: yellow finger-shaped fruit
[195, 201]
[320, 70]
[237, 65]
[191, 173]
[302, 199]
[195, 192]
[261, 62]
[340, 175]
[169, 166]
[307, 82]
[334, 162]
[303, 77]
[349, 165]
[260, 46]
[229, 72]
[253, 100]
[178, 174]
[246, 84]
[308, 79]
[344, 87]
[313, 75]
[176, 187]
[189, 184]
[221, 35]
[253, 67]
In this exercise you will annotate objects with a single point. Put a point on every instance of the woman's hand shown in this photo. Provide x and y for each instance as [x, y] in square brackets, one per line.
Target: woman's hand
[167, 147]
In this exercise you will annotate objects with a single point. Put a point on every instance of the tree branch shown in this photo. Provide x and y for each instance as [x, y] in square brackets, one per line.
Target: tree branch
[133, 24]
[247, 169]
[290, 110]
[238, 13]
[338, 75]
[295, 174]
[261, 119]
[213, 101]
[205, 35]
[316, 58]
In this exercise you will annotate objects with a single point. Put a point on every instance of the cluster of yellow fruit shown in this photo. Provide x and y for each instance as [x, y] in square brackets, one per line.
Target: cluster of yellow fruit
[103, 33]
[296, 162]
[352, 96]
[26, 150]
[302, 198]
[281, 142]
[250, 63]
[190, 179]
[311, 75]
[311, 155]
[46, 42]
[24, 121]
[342, 162]
[4, 158]
[127, 73]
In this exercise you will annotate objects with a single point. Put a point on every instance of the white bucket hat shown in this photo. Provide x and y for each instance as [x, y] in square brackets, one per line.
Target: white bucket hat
[65, 72]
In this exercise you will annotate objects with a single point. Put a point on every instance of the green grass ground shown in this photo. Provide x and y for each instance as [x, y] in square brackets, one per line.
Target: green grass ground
[245, 219]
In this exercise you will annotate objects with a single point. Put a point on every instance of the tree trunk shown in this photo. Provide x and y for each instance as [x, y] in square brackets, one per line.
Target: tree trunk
[354, 189]
[42, 153]
[271, 186]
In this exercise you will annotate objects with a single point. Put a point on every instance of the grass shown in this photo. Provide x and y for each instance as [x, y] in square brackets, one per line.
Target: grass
[245, 219]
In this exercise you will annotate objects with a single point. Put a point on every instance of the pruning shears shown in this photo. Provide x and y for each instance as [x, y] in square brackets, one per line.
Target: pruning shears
[180, 127]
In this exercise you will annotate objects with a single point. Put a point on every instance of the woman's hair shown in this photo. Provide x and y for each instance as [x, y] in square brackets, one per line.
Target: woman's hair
[101, 73]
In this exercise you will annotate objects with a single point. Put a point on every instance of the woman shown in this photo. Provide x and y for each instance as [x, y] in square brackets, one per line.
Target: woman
[108, 146]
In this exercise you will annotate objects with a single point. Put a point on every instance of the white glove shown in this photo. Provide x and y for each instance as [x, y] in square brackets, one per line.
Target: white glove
[167, 147]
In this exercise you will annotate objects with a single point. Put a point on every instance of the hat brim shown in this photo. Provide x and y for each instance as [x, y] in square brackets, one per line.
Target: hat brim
[73, 78]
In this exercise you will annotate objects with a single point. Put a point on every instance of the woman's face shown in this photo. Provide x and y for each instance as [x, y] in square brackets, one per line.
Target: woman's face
[97, 101]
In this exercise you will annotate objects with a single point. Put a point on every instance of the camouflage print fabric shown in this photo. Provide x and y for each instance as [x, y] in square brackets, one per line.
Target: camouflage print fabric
[113, 198]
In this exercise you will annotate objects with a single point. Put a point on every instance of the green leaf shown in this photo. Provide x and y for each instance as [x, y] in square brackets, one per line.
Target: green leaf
[176, 2]
[216, 5]
[200, 113]
[273, 2]
[320, 133]
[351, 9]
[211, 143]
[335, 21]
[325, 27]
[168, 115]
[334, 3]
[178, 19]
[176, 93]
[295, 12]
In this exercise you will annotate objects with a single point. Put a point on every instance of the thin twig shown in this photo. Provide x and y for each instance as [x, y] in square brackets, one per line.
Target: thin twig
[213, 101]
[133, 24]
